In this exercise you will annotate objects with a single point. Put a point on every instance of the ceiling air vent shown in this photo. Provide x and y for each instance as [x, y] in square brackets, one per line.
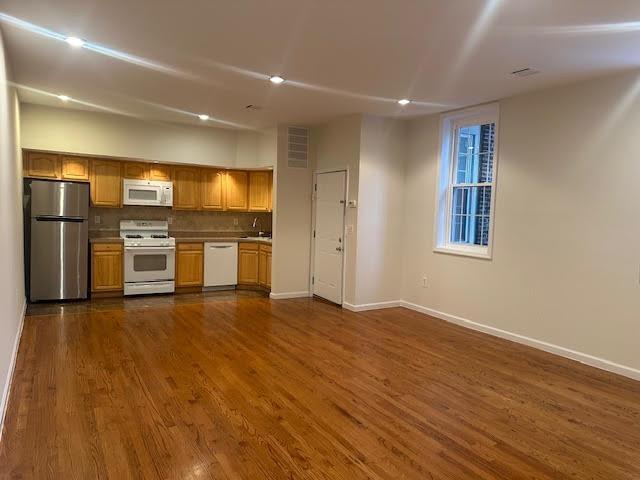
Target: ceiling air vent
[525, 72]
[297, 147]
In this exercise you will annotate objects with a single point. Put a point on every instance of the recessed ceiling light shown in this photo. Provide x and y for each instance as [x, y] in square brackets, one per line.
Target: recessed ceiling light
[64, 98]
[404, 102]
[203, 116]
[277, 79]
[74, 41]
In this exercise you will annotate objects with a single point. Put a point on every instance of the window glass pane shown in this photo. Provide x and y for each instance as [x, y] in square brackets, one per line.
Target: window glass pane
[470, 215]
[474, 157]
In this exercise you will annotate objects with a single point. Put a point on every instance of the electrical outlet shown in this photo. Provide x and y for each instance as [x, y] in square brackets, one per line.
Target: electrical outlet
[96, 219]
[169, 220]
[235, 222]
[425, 283]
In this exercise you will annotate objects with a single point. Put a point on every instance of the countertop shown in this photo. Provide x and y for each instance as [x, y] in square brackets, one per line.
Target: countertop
[103, 237]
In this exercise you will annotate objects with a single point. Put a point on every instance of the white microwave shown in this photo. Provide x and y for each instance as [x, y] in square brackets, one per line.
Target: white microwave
[148, 192]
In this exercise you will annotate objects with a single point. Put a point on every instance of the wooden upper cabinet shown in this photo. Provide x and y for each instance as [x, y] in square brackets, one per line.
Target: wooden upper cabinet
[135, 170]
[213, 189]
[237, 190]
[259, 191]
[75, 168]
[106, 183]
[190, 264]
[186, 188]
[160, 172]
[42, 165]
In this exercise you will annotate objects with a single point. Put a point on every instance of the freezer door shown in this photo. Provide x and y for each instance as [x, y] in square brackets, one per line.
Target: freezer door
[59, 199]
[58, 259]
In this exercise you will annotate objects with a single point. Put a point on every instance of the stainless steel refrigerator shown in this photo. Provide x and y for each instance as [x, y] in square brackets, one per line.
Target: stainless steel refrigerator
[56, 239]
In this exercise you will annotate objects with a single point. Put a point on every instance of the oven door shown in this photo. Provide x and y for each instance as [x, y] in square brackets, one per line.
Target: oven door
[149, 264]
[136, 194]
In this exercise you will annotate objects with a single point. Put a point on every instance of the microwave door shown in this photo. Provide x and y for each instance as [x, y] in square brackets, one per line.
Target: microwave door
[142, 195]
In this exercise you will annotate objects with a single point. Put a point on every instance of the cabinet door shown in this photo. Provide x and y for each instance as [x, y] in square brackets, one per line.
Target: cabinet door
[106, 183]
[106, 267]
[75, 168]
[264, 266]
[268, 274]
[271, 191]
[189, 265]
[248, 264]
[42, 165]
[186, 188]
[136, 170]
[237, 190]
[160, 172]
[259, 191]
[213, 189]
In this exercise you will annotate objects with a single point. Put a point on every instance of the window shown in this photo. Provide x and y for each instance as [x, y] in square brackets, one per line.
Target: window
[466, 182]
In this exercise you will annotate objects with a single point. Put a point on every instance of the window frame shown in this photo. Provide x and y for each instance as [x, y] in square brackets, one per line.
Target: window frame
[449, 126]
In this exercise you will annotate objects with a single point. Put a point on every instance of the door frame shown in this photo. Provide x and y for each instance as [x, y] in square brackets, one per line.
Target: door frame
[312, 259]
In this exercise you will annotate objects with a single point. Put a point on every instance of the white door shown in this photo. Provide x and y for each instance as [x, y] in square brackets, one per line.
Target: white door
[329, 230]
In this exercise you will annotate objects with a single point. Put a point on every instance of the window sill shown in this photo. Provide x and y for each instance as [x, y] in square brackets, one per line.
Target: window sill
[483, 254]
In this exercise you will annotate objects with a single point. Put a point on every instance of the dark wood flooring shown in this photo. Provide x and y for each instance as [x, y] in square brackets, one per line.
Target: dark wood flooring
[240, 387]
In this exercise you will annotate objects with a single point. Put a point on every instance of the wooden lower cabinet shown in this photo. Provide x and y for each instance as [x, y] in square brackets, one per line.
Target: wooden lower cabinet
[107, 268]
[248, 263]
[254, 265]
[189, 264]
[264, 266]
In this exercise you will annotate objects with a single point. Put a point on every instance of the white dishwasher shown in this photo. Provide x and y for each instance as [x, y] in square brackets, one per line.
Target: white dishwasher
[220, 264]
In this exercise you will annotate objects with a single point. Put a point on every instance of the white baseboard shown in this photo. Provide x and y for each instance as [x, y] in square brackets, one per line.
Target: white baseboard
[284, 295]
[585, 358]
[363, 307]
[10, 371]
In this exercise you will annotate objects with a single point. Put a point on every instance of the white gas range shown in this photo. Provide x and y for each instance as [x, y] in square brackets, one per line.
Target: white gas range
[149, 257]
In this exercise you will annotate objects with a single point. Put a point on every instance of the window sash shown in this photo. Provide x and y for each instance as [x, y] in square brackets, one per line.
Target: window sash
[449, 214]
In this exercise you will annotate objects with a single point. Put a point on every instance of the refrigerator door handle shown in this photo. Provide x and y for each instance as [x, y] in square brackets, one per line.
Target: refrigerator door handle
[53, 218]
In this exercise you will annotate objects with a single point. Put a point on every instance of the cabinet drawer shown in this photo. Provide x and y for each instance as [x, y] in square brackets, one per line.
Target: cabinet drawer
[107, 247]
[265, 248]
[248, 246]
[184, 246]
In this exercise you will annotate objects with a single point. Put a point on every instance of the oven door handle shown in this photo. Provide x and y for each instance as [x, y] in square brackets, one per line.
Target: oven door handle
[142, 249]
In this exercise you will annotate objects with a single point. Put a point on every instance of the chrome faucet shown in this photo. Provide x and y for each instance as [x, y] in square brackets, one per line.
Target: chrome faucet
[257, 221]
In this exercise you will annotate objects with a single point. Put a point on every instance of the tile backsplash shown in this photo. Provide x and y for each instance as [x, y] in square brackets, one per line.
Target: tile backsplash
[180, 220]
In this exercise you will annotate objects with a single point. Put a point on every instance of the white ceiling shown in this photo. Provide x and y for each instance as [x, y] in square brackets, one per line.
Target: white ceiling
[339, 56]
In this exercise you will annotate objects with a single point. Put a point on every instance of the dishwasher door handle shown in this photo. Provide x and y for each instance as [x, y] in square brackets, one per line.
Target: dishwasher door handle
[220, 246]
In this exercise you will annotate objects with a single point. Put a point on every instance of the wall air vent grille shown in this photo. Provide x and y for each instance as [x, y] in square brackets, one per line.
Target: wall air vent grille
[297, 147]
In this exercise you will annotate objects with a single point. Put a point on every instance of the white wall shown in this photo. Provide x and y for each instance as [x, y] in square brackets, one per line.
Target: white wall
[336, 145]
[380, 211]
[12, 297]
[97, 133]
[291, 225]
[566, 254]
